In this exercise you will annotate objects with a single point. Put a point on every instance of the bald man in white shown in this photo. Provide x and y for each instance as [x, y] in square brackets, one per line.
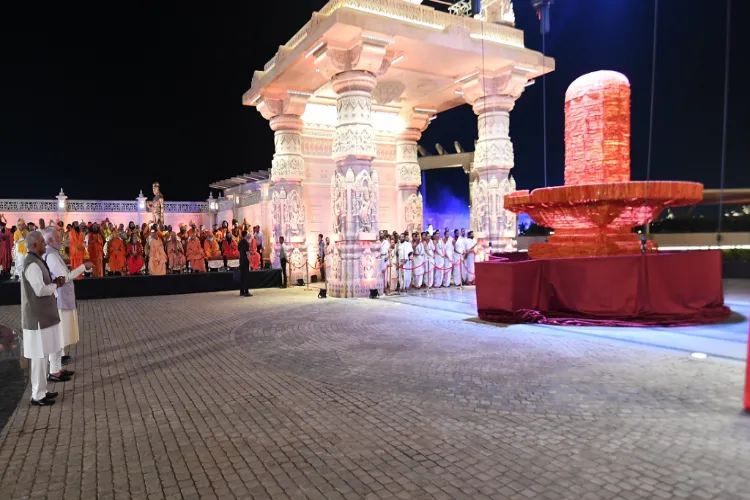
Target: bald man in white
[39, 317]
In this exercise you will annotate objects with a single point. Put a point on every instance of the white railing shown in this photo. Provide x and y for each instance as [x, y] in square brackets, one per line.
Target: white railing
[20, 206]
[186, 207]
[101, 206]
[27, 206]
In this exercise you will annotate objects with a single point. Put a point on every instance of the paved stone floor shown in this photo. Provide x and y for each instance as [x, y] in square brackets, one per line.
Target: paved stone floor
[286, 396]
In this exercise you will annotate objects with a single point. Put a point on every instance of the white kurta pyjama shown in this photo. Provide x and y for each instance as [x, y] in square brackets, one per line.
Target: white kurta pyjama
[40, 343]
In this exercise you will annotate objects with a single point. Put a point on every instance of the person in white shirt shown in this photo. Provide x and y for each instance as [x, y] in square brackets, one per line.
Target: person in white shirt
[449, 264]
[439, 260]
[458, 258]
[40, 320]
[66, 301]
[393, 270]
[282, 261]
[384, 250]
[419, 261]
[470, 246]
[429, 246]
[465, 248]
[405, 253]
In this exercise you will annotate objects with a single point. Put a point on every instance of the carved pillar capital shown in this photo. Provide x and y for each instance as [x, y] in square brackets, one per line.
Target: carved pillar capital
[499, 91]
[273, 105]
[362, 56]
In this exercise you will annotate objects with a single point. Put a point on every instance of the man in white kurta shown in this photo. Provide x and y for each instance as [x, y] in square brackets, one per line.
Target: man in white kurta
[419, 262]
[439, 260]
[449, 263]
[429, 248]
[470, 246]
[383, 250]
[404, 259]
[458, 258]
[39, 317]
[66, 300]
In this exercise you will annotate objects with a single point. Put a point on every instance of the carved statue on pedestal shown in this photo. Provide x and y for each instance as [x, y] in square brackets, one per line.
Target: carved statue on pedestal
[156, 206]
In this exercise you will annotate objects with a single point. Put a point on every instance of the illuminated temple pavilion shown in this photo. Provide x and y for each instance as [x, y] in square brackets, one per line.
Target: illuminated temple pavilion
[349, 96]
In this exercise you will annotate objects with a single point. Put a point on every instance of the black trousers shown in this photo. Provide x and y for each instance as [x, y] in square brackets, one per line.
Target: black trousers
[283, 273]
[244, 277]
[322, 263]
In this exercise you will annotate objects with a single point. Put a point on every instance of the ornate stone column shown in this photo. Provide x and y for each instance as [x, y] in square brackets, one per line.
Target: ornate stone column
[492, 98]
[354, 185]
[286, 192]
[408, 174]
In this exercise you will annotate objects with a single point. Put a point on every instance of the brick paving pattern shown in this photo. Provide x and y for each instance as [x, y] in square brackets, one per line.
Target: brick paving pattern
[285, 396]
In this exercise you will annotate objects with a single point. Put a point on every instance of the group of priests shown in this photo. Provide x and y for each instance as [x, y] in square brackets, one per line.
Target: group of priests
[427, 259]
[120, 250]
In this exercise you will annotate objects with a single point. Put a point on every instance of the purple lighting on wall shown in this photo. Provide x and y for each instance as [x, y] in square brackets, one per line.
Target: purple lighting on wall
[445, 195]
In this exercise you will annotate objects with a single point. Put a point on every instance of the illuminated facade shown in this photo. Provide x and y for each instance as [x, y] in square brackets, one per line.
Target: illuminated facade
[348, 98]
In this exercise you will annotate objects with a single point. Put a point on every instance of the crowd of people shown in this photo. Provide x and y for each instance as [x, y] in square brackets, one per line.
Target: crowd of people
[149, 249]
[427, 259]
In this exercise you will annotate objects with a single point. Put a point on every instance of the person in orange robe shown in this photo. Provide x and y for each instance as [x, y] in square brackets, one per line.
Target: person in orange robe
[176, 254]
[95, 244]
[116, 254]
[157, 257]
[212, 250]
[254, 255]
[135, 255]
[76, 247]
[229, 249]
[195, 256]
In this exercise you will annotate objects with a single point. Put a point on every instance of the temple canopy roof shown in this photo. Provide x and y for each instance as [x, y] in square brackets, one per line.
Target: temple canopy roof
[429, 54]
[240, 180]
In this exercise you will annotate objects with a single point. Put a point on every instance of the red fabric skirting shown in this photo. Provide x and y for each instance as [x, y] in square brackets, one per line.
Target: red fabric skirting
[667, 289]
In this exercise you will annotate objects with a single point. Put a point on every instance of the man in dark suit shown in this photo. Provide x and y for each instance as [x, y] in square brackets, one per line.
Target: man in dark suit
[244, 248]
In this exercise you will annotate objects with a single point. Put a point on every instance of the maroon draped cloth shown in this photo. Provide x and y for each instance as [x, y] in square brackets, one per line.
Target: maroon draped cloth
[636, 290]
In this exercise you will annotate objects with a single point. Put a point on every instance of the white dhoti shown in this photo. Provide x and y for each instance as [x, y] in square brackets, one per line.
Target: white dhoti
[429, 276]
[418, 266]
[469, 263]
[233, 263]
[393, 273]
[448, 272]
[458, 265]
[215, 264]
[437, 281]
[37, 345]
[406, 275]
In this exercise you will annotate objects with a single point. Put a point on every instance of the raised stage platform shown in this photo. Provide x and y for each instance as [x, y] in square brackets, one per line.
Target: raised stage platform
[652, 289]
[143, 286]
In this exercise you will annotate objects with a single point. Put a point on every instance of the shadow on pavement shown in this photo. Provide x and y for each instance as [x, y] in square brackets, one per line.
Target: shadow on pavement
[13, 373]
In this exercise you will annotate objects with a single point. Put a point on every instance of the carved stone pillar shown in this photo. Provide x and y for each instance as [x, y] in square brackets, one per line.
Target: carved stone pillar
[354, 185]
[287, 171]
[409, 175]
[492, 98]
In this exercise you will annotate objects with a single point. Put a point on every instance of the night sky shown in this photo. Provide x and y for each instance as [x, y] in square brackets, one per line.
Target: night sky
[102, 99]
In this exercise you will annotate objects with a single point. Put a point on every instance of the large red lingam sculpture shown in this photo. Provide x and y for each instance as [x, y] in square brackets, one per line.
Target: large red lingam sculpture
[594, 212]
